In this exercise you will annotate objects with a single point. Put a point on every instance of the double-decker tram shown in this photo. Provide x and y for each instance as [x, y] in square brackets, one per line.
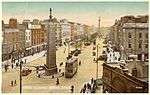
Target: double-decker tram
[71, 67]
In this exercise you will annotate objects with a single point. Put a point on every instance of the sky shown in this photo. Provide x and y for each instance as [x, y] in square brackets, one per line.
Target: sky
[81, 12]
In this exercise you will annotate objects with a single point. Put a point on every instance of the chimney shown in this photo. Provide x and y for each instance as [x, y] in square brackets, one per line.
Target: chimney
[25, 23]
[12, 23]
[3, 26]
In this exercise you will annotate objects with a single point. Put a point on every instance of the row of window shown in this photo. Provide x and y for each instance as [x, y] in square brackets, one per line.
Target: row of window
[140, 35]
[27, 38]
[27, 33]
[70, 71]
[140, 45]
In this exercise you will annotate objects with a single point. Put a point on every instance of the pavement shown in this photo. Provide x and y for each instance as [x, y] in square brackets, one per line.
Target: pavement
[27, 58]
[33, 84]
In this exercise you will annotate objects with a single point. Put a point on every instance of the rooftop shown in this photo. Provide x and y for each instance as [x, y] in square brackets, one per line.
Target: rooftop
[11, 30]
[71, 60]
[135, 25]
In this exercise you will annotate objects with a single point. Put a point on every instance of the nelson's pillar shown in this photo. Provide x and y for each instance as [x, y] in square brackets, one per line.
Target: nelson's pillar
[50, 66]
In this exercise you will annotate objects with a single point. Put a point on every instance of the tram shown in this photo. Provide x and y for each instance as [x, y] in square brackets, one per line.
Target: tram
[71, 67]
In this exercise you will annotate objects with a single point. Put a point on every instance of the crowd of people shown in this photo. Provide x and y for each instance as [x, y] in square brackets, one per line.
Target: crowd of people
[89, 87]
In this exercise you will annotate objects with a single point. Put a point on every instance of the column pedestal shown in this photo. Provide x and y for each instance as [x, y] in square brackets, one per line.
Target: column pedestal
[50, 71]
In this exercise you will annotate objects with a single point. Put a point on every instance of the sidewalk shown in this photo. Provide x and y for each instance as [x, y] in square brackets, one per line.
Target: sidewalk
[28, 58]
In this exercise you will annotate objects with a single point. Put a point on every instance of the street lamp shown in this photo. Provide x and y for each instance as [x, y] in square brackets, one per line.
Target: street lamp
[97, 63]
[68, 48]
[122, 55]
[21, 62]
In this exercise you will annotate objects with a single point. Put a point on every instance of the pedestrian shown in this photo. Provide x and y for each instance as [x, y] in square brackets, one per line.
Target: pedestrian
[25, 61]
[14, 60]
[84, 86]
[83, 90]
[11, 60]
[17, 64]
[62, 73]
[15, 82]
[11, 83]
[37, 71]
[72, 89]
[79, 62]
[52, 76]
[39, 75]
[92, 81]
[57, 81]
[89, 86]
[59, 70]
[60, 64]
[94, 59]
[12, 65]
[6, 67]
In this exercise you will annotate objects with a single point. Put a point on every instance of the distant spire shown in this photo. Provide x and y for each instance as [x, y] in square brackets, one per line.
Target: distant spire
[99, 19]
[99, 24]
[50, 16]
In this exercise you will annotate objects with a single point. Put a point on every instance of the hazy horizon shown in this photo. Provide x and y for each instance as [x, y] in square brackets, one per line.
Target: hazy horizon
[81, 12]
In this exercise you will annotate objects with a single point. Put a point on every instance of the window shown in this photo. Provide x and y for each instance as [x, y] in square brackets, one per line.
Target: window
[140, 45]
[70, 71]
[146, 45]
[129, 45]
[129, 35]
[140, 35]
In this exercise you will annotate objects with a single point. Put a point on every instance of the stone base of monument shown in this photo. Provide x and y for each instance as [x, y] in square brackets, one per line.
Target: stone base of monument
[50, 71]
[43, 75]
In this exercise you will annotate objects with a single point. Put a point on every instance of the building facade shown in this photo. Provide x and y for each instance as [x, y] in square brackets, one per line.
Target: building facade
[80, 31]
[27, 38]
[12, 23]
[130, 36]
[58, 32]
[135, 40]
[66, 30]
[37, 36]
[86, 31]
[12, 40]
[120, 80]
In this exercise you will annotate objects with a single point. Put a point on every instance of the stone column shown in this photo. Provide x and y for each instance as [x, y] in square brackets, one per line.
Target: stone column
[50, 66]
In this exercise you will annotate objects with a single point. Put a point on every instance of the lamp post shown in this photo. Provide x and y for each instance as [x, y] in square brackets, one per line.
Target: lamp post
[122, 51]
[7, 54]
[68, 48]
[97, 63]
[21, 62]
[20, 70]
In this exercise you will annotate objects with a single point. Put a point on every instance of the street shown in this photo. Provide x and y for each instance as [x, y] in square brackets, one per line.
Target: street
[32, 84]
